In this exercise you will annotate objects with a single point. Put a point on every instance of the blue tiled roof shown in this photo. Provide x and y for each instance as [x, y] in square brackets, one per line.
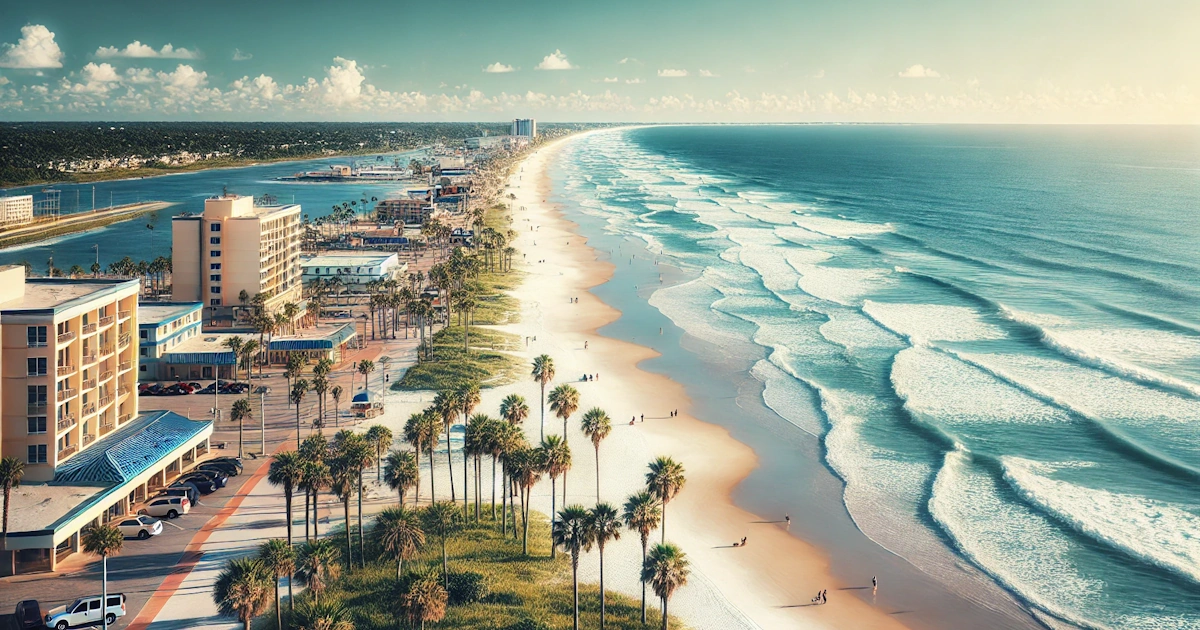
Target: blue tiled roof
[328, 342]
[131, 449]
[362, 397]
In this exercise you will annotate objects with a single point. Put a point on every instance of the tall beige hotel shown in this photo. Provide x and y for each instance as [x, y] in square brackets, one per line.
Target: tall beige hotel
[236, 246]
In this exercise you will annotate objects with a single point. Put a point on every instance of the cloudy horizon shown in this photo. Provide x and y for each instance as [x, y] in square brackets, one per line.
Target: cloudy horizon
[862, 61]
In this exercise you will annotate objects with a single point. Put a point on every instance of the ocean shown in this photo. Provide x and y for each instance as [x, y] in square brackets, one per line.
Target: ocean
[987, 337]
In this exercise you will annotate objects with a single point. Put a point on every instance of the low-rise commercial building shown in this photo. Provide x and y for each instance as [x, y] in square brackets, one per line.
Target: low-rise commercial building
[355, 270]
[162, 327]
[406, 210]
[17, 210]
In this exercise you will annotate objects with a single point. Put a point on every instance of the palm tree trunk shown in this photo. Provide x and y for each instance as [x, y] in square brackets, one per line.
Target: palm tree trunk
[287, 500]
[432, 490]
[664, 523]
[306, 506]
[543, 427]
[450, 462]
[494, 489]
[601, 588]
[399, 565]
[278, 611]
[316, 496]
[504, 503]
[598, 475]
[524, 526]
[362, 556]
[644, 582]
[575, 586]
[291, 597]
[553, 518]
[664, 600]
[466, 479]
[417, 486]
[349, 545]
[104, 582]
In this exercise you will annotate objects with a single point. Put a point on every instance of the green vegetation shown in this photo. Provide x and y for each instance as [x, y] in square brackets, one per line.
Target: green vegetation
[451, 366]
[492, 585]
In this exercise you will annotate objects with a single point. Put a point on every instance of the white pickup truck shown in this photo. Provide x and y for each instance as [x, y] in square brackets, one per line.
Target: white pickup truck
[85, 611]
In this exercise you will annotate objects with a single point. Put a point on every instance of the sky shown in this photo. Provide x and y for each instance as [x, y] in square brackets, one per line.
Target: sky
[1045, 61]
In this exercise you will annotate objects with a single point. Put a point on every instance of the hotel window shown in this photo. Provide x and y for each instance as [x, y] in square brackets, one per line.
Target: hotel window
[214, 302]
[144, 352]
[214, 267]
[216, 277]
[216, 253]
[214, 290]
[37, 395]
[37, 454]
[214, 240]
[35, 366]
[36, 336]
[37, 425]
[144, 334]
[214, 227]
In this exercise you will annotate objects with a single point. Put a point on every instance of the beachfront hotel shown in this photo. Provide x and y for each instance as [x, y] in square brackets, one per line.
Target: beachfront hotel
[16, 210]
[524, 127]
[68, 397]
[236, 248]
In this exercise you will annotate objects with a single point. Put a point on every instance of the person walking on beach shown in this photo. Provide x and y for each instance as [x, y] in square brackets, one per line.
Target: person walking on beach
[787, 518]
[585, 345]
[874, 584]
[824, 596]
[643, 417]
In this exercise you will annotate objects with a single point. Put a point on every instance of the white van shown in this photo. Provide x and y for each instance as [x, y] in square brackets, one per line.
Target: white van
[169, 507]
[85, 611]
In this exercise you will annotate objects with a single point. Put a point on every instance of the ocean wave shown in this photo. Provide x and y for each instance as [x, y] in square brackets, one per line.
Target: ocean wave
[841, 228]
[840, 284]
[923, 323]
[1100, 347]
[1156, 532]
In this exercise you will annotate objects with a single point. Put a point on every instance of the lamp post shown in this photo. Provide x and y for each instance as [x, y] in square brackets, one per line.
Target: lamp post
[262, 416]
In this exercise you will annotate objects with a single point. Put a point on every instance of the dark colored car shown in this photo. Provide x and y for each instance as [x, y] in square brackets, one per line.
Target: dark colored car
[29, 614]
[151, 390]
[227, 459]
[217, 476]
[190, 491]
[225, 468]
[195, 386]
[200, 482]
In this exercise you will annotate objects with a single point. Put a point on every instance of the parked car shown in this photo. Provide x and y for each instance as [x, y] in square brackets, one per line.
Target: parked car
[227, 459]
[216, 476]
[141, 527]
[225, 468]
[178, 389]
[201, 483]
[85, 611]
[170, 507]
[194, 385]
[152, 389]
[29, 615]
[186, 490]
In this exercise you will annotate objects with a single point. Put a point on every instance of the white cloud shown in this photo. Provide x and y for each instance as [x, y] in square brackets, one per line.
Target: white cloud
[555, 61]
[610, 79]
[97, 79]
[629, 60]
[917, 71]
[184, 79]
[499, 68]
[238, 55]
[35, 49]
[820, 74]
[344, 83]
[672, 73]
[4, 81]
[708, 73]
[138, 50]
[634, 81]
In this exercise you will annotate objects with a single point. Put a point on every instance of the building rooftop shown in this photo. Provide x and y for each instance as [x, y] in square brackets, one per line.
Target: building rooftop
[43, 294]
[152, 314]
[130, 450]
[356, 259]
[36, 507]
[323, 337]
[204, 348]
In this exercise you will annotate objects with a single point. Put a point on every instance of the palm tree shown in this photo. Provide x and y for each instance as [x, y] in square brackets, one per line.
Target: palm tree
[446, 405]
[246, 358]
[365, 367]
[555, 458]
[234, 344]
[280, 559]
[424, 600]
[355, 451]
[665, 569]
[543, 373]
[414, 434]
[564, 401]
[243, 589]
[642, 515]
[380, 438]
[513, 409]
[431, 431]
[664, 481]
[596, 425]
[326, 615]
[316, 477]
[317, 565]
[287, 469]
[299, 390]
[239, 413]
[399, 533]
[343, 475]
[320, 386]
[401, 472]
[443, 518]
[475, 444]
[573, 533]
[103, 541]
[468, 398]
[336, 392]
[12, 469]
[509, 439]
[605, 526]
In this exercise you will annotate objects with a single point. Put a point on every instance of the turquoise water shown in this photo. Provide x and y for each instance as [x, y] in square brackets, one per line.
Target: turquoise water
[990, 331]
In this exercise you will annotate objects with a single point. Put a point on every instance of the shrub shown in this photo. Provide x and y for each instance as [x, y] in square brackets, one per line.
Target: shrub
[504, 598]
[467, 587]
[528, 623]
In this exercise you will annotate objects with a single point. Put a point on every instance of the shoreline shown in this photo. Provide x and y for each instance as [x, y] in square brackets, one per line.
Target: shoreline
[77, 222]
[769, 581]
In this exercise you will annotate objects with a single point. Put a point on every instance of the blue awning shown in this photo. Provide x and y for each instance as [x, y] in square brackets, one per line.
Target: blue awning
[130, 450]
[205, 358]
[362, 397]
[328, 342]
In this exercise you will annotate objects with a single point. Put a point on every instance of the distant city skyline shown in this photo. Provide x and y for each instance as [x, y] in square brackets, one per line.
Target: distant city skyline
[703, 61]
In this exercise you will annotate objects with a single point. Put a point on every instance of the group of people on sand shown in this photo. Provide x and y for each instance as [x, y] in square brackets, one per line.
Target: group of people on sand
[590, 377]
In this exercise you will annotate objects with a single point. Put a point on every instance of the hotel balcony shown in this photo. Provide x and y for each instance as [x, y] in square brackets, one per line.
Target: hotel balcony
[66, 422]
[90, 328]
[122, 390]
[107, 350]
[88, 439]
[123, 418]
[106, 425]
[88, 384]
[65, 370]
[89, 359]
[66, 394]
[104, 401]
[67, 452]
[66, 337]
[123, 340]
[125, 366]
[89, 408]
[105, 375]
[107, 320]
[124, 315]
